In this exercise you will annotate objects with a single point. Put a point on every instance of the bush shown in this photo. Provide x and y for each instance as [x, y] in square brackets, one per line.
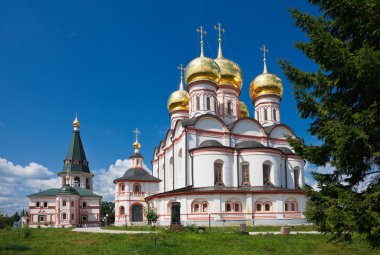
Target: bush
[26, 231]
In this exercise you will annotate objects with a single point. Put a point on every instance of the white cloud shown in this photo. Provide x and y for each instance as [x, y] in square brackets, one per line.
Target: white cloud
[33, 170]
[16, 182]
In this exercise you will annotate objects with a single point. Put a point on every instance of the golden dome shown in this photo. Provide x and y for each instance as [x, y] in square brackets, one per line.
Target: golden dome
[202, 68]
[266, 84]
[243, 110]
[136, 145]
[178, 100]
[76, 122]
[230, 73]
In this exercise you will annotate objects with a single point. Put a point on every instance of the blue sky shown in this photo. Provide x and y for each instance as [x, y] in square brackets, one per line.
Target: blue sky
[115, 63]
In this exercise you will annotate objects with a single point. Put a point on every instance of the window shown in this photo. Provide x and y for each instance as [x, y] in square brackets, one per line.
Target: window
[205, 207]
[37, 204]
[229, 107]
[45, 204]
[216, 106]
[136, 188]
[121, 210]
[267, 207]
[265, 114]
[294, 206]
[72, 216]
[245, 174]
[64, 203]
[196, 207]
[218, 170]
[290, 206]
[237, 207]
[228, 207]
[274, 114]
[122, 187]
[266, 173]
[84, 204]
[72, 203]
[87, 183]
[208, 106]
[41, 218]
[287, 206]
[296, 178]
[198, 103]
[84, 218]
[258, 207]
[67, 162]
[257, 115]
[63, 216]
[76, 162]
[77, 181]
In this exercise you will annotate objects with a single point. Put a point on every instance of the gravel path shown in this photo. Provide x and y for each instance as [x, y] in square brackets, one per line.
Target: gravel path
[107, 231]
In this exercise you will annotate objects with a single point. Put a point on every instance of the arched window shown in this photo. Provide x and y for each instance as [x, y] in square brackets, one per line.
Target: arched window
[267, 207]
[122, 187]
[198, 103]
[37, 204]
[76, 181]
[218, 173]
[296, 177]
[274, 114]
[215, 106]
[257, 115]
[64, 216]
[45, 204]
[87, 183]
[294, 206]
[208, 103]
[121, 210]
[84, 204]
[245, 173]
[266, 173]
[204, 207]
[136, 188]
[196, 207]
[228, 207]
[229, 107]
[265, 114]
[237, 207]
[258, 207]
[76, 162]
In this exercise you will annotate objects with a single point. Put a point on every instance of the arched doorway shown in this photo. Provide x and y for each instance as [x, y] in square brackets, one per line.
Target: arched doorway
[137, 213]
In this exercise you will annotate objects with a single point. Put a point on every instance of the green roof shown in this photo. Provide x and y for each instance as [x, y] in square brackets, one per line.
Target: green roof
[76, 158]
[66, 190]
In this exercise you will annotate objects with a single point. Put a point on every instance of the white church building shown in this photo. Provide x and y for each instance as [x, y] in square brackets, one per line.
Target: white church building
[219, 163]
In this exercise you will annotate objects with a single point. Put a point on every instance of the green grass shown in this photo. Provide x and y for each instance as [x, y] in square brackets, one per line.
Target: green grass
[64, 241]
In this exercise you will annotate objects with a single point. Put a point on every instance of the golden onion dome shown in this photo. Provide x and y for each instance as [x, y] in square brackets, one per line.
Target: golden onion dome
[243, 110]
[202, 68]
[76, 122]
[136, 145]
[178, 100]
[230, 72]
[266, 84]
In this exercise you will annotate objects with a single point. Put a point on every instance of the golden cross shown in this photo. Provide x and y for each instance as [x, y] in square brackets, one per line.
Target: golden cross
[202, 32]
[137, 132]
[265, 50]
[220, 30]
[181, 68]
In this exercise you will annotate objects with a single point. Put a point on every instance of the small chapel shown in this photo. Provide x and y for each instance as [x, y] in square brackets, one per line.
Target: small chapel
[221, 165]
[74, 203]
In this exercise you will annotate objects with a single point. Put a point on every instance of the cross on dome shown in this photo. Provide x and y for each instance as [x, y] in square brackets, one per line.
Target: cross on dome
[181, 68]
[265, 50]
[201, 32]
[136, 144]
[137, 132]
[220, 32]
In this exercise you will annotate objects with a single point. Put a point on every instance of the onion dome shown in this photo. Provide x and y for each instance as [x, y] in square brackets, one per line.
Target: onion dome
[76, 123]
[266, 83]
[202, 68]
[230, 72]
[243, 110]
[136, 144]
[179, 100]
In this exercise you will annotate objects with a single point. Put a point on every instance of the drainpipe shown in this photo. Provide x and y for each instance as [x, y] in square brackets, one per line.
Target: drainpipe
[164, 170]
[237, 167]
[186, 152]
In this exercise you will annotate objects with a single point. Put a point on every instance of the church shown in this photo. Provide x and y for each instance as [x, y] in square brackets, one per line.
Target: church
[74, 203]
[221, 165]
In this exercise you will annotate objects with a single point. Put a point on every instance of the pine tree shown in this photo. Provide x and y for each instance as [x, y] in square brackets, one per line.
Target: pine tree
[342, 101]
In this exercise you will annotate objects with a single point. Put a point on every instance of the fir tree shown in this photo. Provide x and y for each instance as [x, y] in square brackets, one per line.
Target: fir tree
[342, 101]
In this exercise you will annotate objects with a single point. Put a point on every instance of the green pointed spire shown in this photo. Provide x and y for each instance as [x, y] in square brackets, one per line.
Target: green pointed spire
[76, 158]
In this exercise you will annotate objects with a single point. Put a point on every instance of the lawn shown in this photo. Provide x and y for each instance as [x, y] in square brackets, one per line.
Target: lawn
[64, 241]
